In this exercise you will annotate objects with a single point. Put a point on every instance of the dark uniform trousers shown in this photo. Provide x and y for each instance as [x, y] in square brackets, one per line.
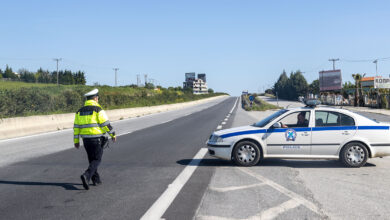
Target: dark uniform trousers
[94, 149]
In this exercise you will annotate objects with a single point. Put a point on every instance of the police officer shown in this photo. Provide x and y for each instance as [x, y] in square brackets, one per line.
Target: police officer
[91, 123]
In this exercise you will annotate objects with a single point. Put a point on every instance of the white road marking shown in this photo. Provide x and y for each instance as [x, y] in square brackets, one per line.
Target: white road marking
[275, 211]
[124, 133]
[219, 127]
[233, 188]
[157, 210]
[224, 123]
[235, 103]
[291, 194]
[209, 217]
[226, 119]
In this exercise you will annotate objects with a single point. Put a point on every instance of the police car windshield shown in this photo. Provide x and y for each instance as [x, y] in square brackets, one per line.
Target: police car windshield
[270, 118]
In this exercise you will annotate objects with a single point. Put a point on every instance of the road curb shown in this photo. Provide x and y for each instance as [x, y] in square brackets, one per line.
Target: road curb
[22, 126]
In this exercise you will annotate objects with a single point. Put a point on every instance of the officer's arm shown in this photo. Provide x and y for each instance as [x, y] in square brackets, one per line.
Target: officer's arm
[76, 131]
[104, 123]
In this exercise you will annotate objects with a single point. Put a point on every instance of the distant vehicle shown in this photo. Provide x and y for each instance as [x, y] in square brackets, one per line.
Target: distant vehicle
[304, 133]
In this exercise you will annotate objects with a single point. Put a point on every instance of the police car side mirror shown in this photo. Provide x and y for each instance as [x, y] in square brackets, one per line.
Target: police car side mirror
[277, 125]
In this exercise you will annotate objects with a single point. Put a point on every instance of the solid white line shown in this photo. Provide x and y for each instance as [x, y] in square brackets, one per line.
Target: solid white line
[124, 133]
[219, 127]
[235, 103]
[233, 188]
[157, 210]
[283, 190]
[275, 211]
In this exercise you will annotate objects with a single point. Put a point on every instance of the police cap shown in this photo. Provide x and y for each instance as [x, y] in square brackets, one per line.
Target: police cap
[92, 93]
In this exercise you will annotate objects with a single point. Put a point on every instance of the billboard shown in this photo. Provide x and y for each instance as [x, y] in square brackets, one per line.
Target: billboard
[330, 80]
[381, 83]
[202, 76]
[190, 77]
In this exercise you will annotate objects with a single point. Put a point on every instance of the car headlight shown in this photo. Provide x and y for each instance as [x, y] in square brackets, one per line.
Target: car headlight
[216, 138]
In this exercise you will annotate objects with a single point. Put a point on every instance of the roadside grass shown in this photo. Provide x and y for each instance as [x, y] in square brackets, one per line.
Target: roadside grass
[27, 99]
[257, 105]
[269, 95]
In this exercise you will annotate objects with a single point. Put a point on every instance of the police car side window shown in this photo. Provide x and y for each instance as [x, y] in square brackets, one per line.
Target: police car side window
[346, 120]
[296, 119]
[327, 119]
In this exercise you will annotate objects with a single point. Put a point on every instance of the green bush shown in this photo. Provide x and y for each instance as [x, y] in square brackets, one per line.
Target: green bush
[18, 99]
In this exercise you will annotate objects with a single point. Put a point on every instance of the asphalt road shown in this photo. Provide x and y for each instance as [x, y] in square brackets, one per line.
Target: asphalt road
[135, 172]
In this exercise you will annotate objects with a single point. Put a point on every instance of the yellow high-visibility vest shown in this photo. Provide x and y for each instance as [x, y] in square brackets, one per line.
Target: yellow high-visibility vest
[91, 121]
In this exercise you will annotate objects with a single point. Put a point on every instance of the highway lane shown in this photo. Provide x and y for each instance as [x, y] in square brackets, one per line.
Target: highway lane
[135, 172]
[22, 148]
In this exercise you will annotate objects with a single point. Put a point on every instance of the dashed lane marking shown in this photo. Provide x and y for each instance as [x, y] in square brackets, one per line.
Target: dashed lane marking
[223, 123]
[157, 210]
[219, 127]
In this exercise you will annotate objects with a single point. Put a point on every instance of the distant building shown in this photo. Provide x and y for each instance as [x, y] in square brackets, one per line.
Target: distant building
[198, 85]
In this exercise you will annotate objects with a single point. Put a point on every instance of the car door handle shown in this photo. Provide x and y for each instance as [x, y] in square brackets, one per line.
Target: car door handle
[305, 133]
[346, 133]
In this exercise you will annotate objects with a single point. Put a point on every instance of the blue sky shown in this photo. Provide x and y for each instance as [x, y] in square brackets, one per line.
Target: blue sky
[240, 45]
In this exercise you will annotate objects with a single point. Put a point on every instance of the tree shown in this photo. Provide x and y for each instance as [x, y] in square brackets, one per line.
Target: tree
[210, 90]
[299, 85]
[26, 76]
[8, 73]
[43, 76]
[314, 87]
[281, 86]
[149, 86]
[1, 74]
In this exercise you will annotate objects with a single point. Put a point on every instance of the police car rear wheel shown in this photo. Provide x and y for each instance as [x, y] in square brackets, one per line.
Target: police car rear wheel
[354, 155]
[246, 153]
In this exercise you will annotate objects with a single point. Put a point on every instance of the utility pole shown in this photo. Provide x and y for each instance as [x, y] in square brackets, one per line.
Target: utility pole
[146, 79]
[334, 60]
[116, 81]
[138, 80]
[376, 66]
[57, 60]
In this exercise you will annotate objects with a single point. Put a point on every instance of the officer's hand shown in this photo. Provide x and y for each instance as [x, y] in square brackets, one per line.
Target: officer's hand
[77, 145]
[114, 139]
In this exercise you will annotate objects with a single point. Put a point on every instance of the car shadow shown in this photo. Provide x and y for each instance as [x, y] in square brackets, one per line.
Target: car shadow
[292, 163]
[66, 186]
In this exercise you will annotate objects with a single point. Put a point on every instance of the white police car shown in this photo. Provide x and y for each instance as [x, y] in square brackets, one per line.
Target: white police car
[306, 132]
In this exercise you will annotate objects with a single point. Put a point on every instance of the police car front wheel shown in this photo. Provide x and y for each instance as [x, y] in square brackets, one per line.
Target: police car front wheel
[246, 153]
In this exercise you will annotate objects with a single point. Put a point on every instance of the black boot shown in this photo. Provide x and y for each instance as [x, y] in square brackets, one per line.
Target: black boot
[85, 181]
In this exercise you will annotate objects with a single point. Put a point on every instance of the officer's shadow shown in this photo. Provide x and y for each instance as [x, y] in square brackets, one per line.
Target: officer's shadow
[66, 186]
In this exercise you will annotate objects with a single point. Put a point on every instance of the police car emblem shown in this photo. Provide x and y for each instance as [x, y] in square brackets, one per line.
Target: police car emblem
[291, 134]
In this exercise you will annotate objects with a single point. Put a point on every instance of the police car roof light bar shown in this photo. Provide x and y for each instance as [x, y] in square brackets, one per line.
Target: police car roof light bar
[312, 103]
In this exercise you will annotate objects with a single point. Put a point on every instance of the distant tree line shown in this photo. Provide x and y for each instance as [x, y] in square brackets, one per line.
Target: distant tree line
[65, 77]
[293, 86]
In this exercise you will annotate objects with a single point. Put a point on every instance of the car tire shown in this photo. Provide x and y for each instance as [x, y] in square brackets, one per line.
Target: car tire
[246, 153]
[354, 154]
